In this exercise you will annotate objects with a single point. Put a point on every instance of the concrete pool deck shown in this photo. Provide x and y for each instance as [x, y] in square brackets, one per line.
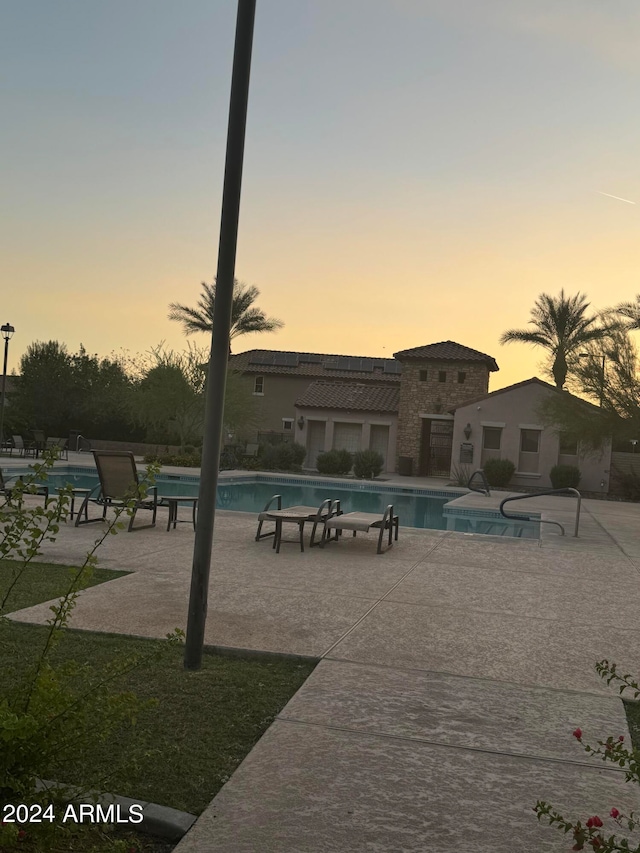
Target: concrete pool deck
[452, 672]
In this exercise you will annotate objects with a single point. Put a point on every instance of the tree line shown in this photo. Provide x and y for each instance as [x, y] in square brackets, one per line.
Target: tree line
[156, 397]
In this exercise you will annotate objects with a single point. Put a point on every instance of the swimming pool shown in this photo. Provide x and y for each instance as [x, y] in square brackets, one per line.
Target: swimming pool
[421, 508]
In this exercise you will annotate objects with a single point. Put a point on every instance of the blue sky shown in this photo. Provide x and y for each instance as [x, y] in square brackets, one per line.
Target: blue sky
[414, 171]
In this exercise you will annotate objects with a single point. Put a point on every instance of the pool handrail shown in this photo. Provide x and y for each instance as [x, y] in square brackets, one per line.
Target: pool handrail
[485, 483]
[544, 520]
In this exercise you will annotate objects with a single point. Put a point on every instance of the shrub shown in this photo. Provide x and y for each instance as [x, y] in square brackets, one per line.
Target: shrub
[498, 471]
[626, 482]
[283, 457]
[592, 832]
[460, 474]
[51, 710]
[367, 463]
[334, 462]
[181, 460]
[565, 476]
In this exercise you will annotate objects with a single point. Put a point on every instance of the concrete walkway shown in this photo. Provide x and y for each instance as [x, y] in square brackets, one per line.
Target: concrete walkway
[453, 671]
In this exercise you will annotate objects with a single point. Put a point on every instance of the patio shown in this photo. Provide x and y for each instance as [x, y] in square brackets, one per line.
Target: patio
[453, 671]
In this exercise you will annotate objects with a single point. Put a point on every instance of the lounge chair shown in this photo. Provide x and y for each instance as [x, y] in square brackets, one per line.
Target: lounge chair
[59, 446]
[6, 488]
[119, 484]
[364, 521]
[251, 451]
[37, 443]
[299, 515]
[20, 446]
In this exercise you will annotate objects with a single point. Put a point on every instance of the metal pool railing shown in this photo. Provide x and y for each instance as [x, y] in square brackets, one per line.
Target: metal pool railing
[544, 520]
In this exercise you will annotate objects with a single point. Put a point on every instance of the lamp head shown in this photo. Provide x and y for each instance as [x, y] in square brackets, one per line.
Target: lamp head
[7, 331]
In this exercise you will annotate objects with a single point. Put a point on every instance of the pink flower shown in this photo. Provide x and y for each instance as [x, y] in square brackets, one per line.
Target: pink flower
[621, 738]
[594, 821]
[578, 734]
[614, 813]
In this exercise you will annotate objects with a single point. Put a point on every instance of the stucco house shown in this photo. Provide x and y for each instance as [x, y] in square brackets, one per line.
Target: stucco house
[506, 424]
[348, 416]
[398, 406]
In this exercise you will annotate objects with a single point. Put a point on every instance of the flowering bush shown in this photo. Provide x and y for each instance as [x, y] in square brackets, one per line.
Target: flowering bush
[591, 833]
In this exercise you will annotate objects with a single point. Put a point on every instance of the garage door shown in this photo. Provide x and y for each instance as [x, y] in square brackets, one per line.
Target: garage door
[347, 437]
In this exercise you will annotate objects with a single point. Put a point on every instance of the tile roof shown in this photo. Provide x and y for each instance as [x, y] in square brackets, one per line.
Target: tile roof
[315, 364]
[533, 381]
[447, 351]
[354, 397]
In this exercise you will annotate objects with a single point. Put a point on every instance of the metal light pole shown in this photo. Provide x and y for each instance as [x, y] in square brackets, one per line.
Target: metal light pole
[7, 332]
[217, 374]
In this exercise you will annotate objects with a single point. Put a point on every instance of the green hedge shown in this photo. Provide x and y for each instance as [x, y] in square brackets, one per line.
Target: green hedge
[334, 462]
[498, 471]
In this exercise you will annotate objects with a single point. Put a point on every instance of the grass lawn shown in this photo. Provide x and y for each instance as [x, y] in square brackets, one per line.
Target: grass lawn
[200, 728]
[42, 582]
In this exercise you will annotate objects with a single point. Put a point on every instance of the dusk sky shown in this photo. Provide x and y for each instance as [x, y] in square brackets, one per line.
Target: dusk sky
[415, 170]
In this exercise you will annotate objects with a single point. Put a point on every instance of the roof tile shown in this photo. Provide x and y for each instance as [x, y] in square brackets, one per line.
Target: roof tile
[446, 351]
[354, 397]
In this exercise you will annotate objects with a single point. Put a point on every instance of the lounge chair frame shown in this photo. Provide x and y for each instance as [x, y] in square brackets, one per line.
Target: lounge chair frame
[118, 485]
[6, 489]
[318, 515]
[364, 521]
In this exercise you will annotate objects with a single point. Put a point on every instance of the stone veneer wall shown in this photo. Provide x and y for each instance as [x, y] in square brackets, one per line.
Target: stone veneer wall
[433, 397]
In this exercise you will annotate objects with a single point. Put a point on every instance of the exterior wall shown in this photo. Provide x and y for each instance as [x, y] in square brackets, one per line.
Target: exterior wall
[277, 401]
[515, 410]
[433, 397]
[366, 419]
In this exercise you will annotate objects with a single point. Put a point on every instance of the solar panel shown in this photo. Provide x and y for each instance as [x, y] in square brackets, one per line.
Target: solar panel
[309, 358]
[261, 358]
[392, 366]
[286, 359]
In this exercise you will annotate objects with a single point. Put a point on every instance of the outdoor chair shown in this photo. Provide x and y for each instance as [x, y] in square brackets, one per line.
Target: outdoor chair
[251, 451]
[20, 446]
[7, 488]
[364, 521]
[118, 486]
[59, 446]
[37, 443]
[299, 515]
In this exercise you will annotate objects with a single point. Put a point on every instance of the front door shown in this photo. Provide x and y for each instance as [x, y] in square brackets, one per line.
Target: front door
[315, 441]
[435, 450]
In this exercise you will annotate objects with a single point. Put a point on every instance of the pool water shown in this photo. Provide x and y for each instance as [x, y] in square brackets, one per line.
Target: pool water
[249, 496]
[421, 508]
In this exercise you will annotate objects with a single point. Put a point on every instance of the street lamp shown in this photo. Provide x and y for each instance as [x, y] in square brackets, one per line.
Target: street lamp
[7, 331]
[602, 374]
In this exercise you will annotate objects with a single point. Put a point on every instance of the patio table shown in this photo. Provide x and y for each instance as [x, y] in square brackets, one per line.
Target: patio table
[172, 502]
[297, 516]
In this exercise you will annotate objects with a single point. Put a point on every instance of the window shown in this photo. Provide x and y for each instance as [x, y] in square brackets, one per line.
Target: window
[258, 385]
[461, 376]
[442, 376]
[529, 440]
[491, 438]
[423, 376]
[287, 424]
[568, 444]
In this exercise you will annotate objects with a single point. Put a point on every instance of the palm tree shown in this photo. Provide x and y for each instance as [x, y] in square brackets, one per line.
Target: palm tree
[561, 327]
[630, 311]
[244, 317]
